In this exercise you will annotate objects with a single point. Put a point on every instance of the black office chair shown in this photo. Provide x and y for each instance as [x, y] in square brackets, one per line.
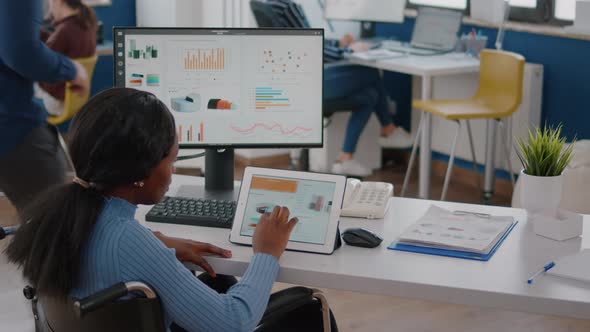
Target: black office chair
[106, 310]
[278, 14]
[265, 16]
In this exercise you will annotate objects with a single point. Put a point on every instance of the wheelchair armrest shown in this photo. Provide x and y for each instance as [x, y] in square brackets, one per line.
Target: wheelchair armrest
[5, 231]
[108, 295]
[285, 301]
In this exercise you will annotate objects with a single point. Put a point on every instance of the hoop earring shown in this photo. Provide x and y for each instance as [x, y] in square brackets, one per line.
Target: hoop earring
[139, 184]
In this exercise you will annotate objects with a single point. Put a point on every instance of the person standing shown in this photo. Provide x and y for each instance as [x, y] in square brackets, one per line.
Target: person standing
[30, 156]
[73, 33]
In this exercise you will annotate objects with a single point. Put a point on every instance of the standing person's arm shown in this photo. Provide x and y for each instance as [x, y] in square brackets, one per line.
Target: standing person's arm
[23, 51]
[59, 42]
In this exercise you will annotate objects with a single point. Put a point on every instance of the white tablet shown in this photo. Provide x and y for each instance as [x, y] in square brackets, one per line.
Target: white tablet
[314, 198]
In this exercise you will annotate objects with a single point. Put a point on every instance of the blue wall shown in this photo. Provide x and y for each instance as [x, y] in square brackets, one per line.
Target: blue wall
[566, 86]
[120, 13]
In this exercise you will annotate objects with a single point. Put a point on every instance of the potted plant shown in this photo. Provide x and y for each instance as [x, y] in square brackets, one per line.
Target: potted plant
[544, 159]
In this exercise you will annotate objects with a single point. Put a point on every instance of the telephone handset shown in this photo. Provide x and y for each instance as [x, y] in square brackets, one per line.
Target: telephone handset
[366, 199]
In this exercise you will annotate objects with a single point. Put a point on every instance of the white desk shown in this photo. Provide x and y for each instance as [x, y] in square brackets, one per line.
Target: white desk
[499, 283]
[105, 48]
[428, 67]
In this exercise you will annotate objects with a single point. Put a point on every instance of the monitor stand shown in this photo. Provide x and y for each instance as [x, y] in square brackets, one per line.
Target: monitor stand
[219, 178]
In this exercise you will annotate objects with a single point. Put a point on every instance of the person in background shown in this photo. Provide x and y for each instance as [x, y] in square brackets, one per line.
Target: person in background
[73, 34]
[362, 87]
[30, 156]
[350, 87]
[82, 237]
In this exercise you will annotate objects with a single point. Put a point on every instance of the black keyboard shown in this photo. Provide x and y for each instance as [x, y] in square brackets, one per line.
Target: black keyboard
[192, 211]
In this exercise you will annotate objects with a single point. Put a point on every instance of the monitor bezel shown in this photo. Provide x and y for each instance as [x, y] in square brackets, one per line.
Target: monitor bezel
[219, 29]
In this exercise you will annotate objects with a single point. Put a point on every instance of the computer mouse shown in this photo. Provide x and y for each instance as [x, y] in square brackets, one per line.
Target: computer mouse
[360, 237]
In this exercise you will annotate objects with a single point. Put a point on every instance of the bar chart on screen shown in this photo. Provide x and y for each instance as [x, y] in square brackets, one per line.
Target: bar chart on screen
[203, 59]
[146, 50]
[272, 99]
[191, 133]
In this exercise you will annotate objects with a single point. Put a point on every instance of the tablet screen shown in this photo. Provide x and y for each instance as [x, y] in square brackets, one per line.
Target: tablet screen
[309, 200]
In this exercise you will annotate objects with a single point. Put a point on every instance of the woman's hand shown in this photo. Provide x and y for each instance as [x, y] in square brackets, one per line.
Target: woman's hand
[272, 232]
[193, 251]
[345, 40]
[359, 46]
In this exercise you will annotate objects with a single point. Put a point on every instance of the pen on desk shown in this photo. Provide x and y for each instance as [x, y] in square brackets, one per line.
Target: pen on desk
[540, 272]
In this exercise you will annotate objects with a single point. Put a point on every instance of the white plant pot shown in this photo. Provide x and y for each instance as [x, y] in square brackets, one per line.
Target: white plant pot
[541, 194]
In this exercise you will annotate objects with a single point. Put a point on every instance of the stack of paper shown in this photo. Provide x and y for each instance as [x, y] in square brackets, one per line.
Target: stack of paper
[574, 266]
[454, 232]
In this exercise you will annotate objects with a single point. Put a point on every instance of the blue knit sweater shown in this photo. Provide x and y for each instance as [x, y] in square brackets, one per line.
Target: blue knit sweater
[121, 249]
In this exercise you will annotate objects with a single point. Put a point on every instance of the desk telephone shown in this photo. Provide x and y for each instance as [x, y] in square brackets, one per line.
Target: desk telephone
[366, 199]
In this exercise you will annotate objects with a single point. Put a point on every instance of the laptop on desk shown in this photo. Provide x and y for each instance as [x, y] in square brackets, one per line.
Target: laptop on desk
[435, 31]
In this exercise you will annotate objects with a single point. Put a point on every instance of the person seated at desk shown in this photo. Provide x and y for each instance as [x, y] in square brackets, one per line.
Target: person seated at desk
[82, 237]
[73, 34]
[348, 87]
[362, 87]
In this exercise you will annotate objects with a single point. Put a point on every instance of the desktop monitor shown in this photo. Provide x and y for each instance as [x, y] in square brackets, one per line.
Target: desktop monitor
[229, 88]
[389, 11]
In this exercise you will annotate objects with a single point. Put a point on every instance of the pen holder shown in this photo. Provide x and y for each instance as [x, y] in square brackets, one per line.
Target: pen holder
[471, 45]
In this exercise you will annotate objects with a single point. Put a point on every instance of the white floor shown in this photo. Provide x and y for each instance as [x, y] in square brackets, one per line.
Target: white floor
[15, 311]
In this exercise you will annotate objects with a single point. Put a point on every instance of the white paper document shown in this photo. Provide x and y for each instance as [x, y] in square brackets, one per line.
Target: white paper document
[457, 230]
[377, 54]
[575, 266]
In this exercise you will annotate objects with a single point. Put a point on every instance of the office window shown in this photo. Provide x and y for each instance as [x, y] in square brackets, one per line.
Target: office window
[534, 11]
[455, 4]
[524, 3]
[565, 10]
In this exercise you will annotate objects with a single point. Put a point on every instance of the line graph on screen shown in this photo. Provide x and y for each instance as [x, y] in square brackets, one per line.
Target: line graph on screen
[271, 128]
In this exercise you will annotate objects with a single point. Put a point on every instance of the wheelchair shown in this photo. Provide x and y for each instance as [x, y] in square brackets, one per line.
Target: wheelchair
[111, 310]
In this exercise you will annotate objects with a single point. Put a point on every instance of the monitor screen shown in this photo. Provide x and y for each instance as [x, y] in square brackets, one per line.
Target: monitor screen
[436, 28]
[391, 11]
[229, 87]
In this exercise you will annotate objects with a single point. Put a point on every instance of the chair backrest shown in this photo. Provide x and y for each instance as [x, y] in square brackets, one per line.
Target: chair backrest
[264, 15]
[73, 101]
[132, 315]
[278, 14]
[500, 81]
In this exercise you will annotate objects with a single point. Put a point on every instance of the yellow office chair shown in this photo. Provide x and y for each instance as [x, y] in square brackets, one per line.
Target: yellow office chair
[73, 101]
[498, 96]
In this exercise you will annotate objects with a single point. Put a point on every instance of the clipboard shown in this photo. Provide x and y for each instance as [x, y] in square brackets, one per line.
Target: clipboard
[452, 253]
